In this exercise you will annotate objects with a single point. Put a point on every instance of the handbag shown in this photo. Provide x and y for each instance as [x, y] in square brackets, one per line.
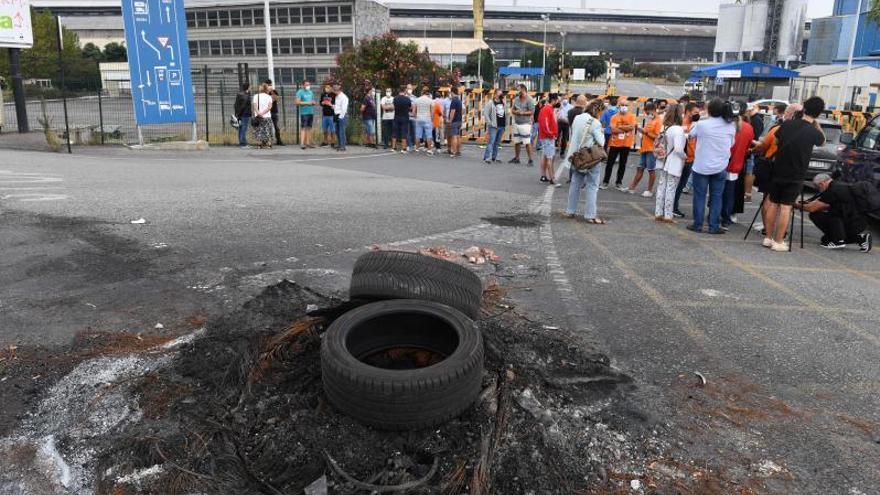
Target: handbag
[234, 122]
[587, 157]
[256, 121]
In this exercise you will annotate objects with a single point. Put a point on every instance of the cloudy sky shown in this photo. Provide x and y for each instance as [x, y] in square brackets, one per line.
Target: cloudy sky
[816, 8]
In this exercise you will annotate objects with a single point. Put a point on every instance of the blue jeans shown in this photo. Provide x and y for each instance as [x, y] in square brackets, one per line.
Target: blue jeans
[243, 129]
[494, 143]
[685, 179]
[411, 134]
[341, 124]
[727, 202]
[715, 185]
[591, 179]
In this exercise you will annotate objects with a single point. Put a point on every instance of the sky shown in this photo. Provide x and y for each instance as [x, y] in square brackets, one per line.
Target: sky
[815, 8]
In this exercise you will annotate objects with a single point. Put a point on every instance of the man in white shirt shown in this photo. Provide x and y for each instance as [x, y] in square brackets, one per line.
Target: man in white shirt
[387, 105]
[715, 137]
[340, 109]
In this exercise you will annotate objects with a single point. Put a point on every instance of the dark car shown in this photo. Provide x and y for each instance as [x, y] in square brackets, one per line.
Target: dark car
[825, 158]
[860, 156]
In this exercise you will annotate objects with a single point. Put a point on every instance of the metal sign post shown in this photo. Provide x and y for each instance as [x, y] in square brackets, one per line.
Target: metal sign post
[63, 84]
[158, 58]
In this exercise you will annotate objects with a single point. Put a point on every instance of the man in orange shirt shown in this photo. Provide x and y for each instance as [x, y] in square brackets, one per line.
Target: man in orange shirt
[623, 136]
[653, 127]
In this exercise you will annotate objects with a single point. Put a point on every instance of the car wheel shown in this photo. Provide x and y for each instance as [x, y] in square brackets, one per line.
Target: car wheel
[402, 275]
[402, 364]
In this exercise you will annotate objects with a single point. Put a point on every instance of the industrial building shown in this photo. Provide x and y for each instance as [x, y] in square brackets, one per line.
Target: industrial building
[769, 31]
[832, 36]
[829, 81]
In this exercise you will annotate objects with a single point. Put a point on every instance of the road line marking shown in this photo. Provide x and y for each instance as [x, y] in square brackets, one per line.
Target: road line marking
[779, 307]
[871, 338]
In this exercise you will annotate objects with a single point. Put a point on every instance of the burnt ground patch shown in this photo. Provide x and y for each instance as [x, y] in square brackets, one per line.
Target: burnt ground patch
[524, 220]
[241, 410]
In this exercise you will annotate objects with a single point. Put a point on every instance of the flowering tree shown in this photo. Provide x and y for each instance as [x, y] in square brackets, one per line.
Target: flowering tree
[385, 62]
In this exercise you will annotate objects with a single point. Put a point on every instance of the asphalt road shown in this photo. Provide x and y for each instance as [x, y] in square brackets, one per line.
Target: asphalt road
[788, 342]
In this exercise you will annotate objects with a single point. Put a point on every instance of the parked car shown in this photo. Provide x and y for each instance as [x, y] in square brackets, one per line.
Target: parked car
[767, 103]
[860, 157]
[825, 158]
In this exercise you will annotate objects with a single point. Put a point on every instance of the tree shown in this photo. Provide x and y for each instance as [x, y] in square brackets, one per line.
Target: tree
[486, 65]
[41, 61]
[385, 62]
[626, 66]
[114, 52]
[874, 12]
[92, 52]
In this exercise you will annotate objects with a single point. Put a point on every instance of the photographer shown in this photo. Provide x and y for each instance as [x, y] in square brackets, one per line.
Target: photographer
[835, 212]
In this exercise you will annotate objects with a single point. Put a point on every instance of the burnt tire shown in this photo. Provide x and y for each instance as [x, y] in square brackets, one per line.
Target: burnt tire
[382, 275]
[395, 399]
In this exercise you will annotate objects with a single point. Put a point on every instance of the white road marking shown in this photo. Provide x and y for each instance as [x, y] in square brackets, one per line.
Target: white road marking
[18, 193]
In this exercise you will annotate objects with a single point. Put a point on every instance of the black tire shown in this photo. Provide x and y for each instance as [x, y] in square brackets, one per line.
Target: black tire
[394, 399]
[382, 275]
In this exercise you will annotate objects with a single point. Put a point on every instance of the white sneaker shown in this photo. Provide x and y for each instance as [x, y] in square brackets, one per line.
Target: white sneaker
[557, 185]
[768, 242]
[733, 219]
[779, 247]
[759, 226]
[603, 186]
[647, 194]
[628, 190]
[622, 188]
[431, 152]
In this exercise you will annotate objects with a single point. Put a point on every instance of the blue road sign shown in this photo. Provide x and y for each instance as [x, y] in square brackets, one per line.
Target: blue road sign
[158, 58]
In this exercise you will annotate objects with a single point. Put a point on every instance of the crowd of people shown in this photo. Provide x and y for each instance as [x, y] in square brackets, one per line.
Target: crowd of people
[716, 150]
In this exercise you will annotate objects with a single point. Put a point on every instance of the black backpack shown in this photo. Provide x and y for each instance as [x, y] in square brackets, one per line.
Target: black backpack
[866, 196]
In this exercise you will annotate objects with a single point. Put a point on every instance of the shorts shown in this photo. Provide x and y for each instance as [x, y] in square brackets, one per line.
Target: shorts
[522, 133]
[328, 124]
[455, 129]
[648, 161]
[370, 127]
[784, 193]
[400, 128]
[306, 121]
[424, 130]
[750, 165]
[548, 147]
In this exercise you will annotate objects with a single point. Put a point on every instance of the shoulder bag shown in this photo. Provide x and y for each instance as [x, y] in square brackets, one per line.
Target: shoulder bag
[587, 157]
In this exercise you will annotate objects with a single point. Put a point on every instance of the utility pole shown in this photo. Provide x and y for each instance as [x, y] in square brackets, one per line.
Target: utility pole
[841, 97]
[18, 90]
[270, 57]
[546, 19]
[562, 64]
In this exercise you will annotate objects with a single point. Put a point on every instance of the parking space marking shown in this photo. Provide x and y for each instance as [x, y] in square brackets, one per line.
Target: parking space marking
[815, 307]
[774, 307]
[31, 188]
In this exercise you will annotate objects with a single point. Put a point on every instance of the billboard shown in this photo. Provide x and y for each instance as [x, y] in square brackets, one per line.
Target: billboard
[158, 59]
[15, 24]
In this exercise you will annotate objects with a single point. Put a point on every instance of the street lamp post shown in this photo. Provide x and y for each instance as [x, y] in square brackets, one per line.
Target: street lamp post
[270, 60]
[562, 62]
[546, 19]
[841, 97]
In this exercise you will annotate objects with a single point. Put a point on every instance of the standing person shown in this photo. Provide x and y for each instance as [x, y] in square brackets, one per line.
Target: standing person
[535, 140]
[742, 141]
[586, 131]
[647, 160]
[305, 101]
[402, 105]
[328, 122]
[623, 136]
[495, 116]
[387, 103]
[368, 115]
[261, 109]
[796, 139]
[606, 119]
[276, 106]
[691, 117]
[548, 131]
[447, 101]
[671, 165]
[243, 113]
[522, 109]
[455, 114]
[765, 150]
[756, 120]
[437, 122]
[411, 128]
[715, 137]
[423, 111]
[340, 110]
[562, 123]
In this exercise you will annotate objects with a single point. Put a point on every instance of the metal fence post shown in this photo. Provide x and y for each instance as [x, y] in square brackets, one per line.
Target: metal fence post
[100, 104]
[298, 116]
[207, 111]
[283, 110]
[223, 107]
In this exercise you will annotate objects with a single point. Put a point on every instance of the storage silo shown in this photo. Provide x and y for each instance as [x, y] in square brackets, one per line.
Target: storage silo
[791, 30]
[754, 26]
[728, 37]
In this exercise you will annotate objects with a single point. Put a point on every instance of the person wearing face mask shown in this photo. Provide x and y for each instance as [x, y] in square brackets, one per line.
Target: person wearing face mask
[691, 117]
[368, 116]
[495, 117]
[305, 101]
[647, 161]
[623, 136]
[412, 119]
[328, 122]
[387, 104]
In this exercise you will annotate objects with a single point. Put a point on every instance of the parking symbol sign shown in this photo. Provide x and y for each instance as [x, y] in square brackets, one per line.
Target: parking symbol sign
[158, 58]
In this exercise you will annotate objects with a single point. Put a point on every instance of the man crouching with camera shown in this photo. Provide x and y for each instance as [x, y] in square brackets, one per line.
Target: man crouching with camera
[835, 213]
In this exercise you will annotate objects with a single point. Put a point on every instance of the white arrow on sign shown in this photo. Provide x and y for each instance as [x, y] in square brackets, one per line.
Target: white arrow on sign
[148, 78]
[171, 48]
[168, 13]
[144, 37]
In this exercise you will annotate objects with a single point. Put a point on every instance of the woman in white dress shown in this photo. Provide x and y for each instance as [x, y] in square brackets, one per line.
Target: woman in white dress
[670, 167]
